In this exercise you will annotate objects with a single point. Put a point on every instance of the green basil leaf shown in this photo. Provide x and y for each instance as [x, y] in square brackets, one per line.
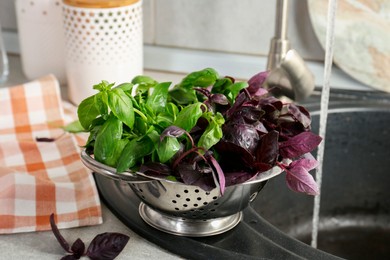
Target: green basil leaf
[133, 151]
[167, 148]
[121, 105]
[114, 158]
[220, 85]
[87, 112]
[74, 127]
[127, 87]
[183, 96]
[140, 125]
[103, 86]
[101, 103]
[188, 116]
[235, 88]
[164, 120]
[143, 80]
[158, 99]
[172, 110]
[202, 78]
[213, 132]
[106, 138]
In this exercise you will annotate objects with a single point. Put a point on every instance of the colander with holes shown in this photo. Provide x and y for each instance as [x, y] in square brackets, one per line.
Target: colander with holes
[186, 210]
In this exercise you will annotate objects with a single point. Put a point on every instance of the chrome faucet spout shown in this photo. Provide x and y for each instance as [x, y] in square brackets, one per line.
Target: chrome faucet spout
[289, 75]
[279, 43]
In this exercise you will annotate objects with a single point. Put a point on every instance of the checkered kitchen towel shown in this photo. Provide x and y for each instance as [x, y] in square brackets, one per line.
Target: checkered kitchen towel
[40, 178]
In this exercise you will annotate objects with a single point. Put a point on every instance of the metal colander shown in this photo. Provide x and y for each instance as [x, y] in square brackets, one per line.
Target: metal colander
[186, 210]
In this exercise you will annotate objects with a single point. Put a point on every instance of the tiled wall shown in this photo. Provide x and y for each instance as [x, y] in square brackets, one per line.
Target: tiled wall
[233, 26]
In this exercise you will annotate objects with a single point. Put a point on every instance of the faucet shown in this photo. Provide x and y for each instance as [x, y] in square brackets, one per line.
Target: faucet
[289, 75]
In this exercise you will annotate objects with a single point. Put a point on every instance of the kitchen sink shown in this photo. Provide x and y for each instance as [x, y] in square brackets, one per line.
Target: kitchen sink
[355, 205]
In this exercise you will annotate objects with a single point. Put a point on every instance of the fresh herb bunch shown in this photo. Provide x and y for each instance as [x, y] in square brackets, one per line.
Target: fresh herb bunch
[208, 131]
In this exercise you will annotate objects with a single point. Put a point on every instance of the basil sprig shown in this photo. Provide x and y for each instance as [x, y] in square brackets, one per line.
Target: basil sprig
[125, 121]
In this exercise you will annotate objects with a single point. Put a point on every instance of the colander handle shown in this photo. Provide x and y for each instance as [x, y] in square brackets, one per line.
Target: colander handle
[110, 172]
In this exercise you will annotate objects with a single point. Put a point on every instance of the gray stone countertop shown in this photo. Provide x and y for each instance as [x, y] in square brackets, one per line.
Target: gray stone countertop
[43, 245]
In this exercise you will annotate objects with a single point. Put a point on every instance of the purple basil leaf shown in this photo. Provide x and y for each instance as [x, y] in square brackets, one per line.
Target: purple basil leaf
[188, 173]
[307, 161]
[78, 248]
[44, 139]
[237, 177]
[298, 145]
[268, 150]
[262, 167]
[172, 131]
[58, 235]
[192, 176]
[300, 114]
[70, 257]
[155, 169]
[218, 169]
[299, 180]
[107, 246]
[233, 156]
[256, 82]
[240, 100]
[203, 91]
[219, 99]
[289, 129]
[242, 135]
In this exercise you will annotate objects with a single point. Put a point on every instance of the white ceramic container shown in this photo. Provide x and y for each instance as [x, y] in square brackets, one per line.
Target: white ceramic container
[103, 43]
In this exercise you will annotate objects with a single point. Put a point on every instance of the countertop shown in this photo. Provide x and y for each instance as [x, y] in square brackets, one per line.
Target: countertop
[42, 245]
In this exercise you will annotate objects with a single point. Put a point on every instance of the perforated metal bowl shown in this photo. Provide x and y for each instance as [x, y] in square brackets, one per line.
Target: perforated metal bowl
[186, 210]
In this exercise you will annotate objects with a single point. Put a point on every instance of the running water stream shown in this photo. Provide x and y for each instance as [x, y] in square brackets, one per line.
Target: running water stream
[331, 18]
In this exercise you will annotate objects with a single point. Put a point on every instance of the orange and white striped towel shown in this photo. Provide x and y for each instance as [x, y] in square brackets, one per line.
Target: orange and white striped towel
[40, 178]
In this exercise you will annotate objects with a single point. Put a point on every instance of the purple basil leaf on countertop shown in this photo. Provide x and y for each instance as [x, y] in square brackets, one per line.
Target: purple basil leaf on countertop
[298, 145]
[299, 180]
[107, 246]
[45, 139]
[64, 244]
[78, 248]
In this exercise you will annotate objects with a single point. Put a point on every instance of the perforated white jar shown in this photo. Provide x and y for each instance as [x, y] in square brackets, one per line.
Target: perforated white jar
[102, 43]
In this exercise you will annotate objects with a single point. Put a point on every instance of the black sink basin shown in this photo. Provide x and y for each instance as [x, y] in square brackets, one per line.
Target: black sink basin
[355, 204]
